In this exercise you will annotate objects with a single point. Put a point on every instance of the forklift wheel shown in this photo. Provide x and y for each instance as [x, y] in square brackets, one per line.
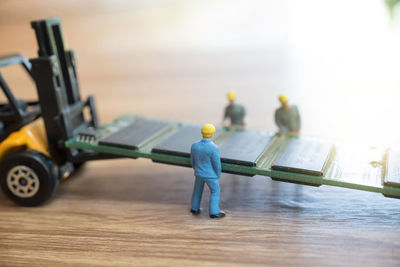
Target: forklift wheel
[29, 178]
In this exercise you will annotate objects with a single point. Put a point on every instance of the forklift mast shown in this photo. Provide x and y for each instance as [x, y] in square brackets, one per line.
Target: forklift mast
[54, 72]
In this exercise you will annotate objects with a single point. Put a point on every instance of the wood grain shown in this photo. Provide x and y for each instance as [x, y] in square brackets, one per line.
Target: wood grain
[135, 212]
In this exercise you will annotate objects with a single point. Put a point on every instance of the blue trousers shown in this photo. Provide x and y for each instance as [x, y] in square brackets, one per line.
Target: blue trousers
[213, 185]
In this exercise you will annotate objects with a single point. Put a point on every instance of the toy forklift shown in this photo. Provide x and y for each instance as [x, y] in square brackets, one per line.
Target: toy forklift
[43, 141]
[32, 151]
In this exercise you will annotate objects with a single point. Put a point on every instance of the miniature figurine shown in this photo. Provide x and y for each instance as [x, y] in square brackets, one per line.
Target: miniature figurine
[235, 112]
[206, 162]
[287, 117]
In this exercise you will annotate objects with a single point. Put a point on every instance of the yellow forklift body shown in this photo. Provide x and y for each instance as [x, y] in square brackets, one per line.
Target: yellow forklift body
[31, 136]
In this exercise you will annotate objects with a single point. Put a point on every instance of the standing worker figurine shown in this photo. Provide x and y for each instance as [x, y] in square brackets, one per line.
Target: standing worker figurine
[287, 117]
[235, 112]
[206, 162]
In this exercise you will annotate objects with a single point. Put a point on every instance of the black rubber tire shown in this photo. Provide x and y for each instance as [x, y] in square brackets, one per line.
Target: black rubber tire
[42, 166]
[79, 166]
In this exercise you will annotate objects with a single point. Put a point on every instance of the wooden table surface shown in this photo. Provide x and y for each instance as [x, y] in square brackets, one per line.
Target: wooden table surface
[139, 57]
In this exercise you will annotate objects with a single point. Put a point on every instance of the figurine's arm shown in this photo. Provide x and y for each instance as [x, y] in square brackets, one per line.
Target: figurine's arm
[226, 116]
[216, 161]
[244, 116]
[191, 156]
[298, 120]
[278, 121]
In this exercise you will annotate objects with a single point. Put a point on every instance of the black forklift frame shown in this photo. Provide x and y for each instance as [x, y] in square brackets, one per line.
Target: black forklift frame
[59, 102]
[55, 75]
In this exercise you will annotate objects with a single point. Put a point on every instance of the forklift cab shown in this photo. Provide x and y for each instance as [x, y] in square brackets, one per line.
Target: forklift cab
[15, 113]
[33, 155]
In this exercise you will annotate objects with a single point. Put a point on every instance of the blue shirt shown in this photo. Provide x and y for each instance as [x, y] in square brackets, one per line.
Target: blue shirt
[205, 159]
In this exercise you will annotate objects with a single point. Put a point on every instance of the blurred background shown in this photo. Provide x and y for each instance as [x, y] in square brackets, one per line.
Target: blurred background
[337, 60]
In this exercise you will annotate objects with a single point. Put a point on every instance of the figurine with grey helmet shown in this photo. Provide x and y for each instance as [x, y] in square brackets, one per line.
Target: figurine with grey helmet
[234, 112]
[287, 117]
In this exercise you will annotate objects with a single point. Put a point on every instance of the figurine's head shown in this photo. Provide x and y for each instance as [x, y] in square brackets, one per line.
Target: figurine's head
[284, 101]
[231, 96]
[207, 130]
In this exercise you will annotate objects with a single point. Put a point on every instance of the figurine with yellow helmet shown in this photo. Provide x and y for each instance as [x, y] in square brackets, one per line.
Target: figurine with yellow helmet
[234, 112]
[206, 162]
[287, 117]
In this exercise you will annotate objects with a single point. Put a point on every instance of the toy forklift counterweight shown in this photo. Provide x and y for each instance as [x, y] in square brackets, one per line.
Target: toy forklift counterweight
[46, 140]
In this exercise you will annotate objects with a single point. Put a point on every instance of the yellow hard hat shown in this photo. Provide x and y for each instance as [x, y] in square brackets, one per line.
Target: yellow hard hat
[207, 130]
[283, 98]
[231, 95]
